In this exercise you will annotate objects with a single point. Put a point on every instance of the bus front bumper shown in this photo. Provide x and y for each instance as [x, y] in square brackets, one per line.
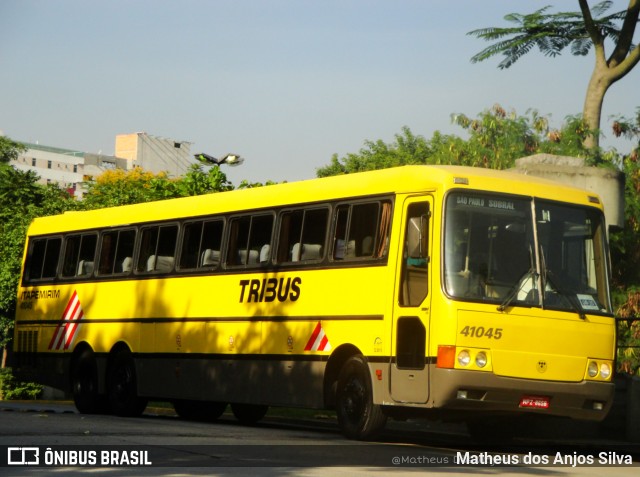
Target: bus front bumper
[459, 390]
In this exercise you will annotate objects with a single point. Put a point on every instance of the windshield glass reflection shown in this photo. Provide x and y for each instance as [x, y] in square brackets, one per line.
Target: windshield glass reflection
[491, 254]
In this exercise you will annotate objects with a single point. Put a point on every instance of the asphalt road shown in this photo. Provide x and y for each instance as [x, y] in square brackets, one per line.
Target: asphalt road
[160, 444]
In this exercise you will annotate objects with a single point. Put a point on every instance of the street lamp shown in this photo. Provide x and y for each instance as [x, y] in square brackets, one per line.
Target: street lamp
[229, 159]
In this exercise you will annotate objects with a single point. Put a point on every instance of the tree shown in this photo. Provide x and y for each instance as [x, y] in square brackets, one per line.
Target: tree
[624, 244]
[625, 253]
[22, 200]
[18, 189]
[197, 182]
[407, 149]
[9, 149]
[119, 187]
[552, 33]
[496, 139]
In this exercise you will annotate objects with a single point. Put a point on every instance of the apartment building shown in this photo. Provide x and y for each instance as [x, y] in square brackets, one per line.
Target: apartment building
[71, 169]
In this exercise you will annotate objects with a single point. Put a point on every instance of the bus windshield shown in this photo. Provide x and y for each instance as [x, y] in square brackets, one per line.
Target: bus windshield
[505, 249]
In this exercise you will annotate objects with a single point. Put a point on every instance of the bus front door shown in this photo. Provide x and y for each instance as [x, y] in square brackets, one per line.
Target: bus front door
[409, 379]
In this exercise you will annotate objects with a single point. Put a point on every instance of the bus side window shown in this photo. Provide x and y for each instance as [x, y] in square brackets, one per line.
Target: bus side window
[43, 259]
[302, 235]
[250, 240]
[116, 252]
[340, 243]
[362, 230]
[260, 239]
[191, 238]
[157, 249]
[124, 255]
[201, 244]
[289, 235]
[211, 243]
[79, 255]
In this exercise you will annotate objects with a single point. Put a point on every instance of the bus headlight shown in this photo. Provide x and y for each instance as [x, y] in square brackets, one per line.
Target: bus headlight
[464, 358]
[592, 370]
[481, 359]
[605, 370]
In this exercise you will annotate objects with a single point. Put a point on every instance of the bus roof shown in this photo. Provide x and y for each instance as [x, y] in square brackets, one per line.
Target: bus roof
[404, 179]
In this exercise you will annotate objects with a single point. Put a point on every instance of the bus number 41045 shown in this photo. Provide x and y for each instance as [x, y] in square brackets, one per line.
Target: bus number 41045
[481, 332]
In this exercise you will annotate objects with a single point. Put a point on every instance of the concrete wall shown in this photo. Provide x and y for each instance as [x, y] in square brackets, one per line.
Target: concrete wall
[155, 154]
[608, 184]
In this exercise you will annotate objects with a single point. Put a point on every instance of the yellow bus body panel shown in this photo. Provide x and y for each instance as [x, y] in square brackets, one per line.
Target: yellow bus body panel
[539, 346]
[351, 305]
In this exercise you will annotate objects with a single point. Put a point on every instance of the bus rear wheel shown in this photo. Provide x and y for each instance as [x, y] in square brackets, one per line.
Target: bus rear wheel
[358, 416]
[122, 387]
[84, 385]
[248, 413]
[199, 410]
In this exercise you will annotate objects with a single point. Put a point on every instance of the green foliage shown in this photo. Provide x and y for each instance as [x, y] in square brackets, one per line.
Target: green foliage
[496, 138]
[625, 253]
[628, 128]
[551, 33]
[245, 184]
[198, 182]
[570, 141]
[12, 238]
[9, 149]
[119, 187]
[407, 149]
[23, 199]
[18, 189]
[629, 333]
[12, 389]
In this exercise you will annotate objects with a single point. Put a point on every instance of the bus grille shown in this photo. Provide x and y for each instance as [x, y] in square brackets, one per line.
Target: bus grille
[27, 347]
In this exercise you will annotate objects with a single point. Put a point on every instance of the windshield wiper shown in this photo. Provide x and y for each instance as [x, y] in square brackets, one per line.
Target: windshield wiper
[517, 287]
[571, 298]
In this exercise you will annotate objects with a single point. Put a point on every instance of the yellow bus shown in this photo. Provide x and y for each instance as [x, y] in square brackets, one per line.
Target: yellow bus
[438, 291]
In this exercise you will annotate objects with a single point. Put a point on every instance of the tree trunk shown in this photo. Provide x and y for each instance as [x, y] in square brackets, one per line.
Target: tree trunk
[606, 72]
[592, 110]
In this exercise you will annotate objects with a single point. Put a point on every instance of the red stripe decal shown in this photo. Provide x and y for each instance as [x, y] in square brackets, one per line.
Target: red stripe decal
[314, 336]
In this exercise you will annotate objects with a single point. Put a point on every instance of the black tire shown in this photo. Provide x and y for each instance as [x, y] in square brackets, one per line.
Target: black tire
[84, 385]
[358, 417]
[122, 387]
[199, 410]
[248, 413]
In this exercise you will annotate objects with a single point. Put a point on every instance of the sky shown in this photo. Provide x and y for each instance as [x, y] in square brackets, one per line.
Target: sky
[283, 83]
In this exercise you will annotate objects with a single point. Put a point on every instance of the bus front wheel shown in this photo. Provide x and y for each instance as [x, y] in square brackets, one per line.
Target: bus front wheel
[358, 416]
[122, 387]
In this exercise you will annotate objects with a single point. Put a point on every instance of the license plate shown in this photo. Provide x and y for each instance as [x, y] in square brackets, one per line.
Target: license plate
[536, 402]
